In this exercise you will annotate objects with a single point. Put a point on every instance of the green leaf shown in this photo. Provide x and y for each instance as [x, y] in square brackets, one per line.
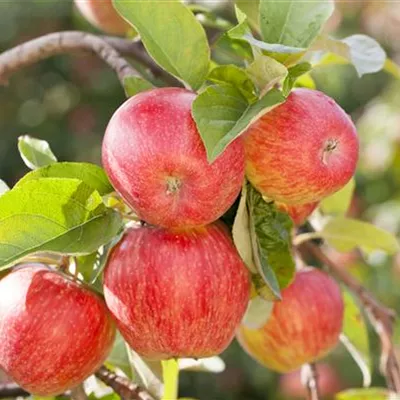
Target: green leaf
[266, 72]
[367, 394]
[355, 335]
[91, 174]
[257, 313]
[172, 36]
[293, 23]
[251, 9]
[134, 85]
[365, 53]
[3, 187]
[235, 76]
[294, 73]
[34, 152]
[56, 215]
[241, 233]
[222, 115]
[339, 202]
[270, 232]
[344, 234]
[86, 264]
[119, 356]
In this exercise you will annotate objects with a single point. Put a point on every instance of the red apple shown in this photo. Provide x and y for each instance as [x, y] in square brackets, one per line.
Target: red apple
[303, 327]
[329, 383]
[54, 332]
[298, 212]
[156, 160]
[177, 293]
[102, 14]
[303, 150]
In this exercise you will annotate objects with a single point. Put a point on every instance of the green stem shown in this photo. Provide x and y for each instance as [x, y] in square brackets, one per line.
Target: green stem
[171, 379]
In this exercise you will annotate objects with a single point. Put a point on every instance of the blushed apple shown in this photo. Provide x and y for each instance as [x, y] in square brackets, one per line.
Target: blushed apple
[177, 293]
[303, 150]
[102, 14]
[298, 212]
[303, 327]
[156, 160]
[54, 332]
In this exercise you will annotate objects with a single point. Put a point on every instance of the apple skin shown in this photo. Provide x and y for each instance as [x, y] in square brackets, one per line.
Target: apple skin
[303, 327]
[303, 150]
[177, 293]
[103, 15]
[329, 383]
[298, 212]
[54, 332]
[155, 158]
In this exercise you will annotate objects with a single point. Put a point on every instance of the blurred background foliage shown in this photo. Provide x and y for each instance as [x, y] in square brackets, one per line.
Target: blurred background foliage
[67, 100]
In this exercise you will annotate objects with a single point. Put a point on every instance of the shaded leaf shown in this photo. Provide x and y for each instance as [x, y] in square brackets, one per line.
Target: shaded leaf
[235, 76]
[251, 9]
[164, 25]
[294, 73]
[119, 356]
[270, 233]
[57, 215]
[355, 335]
[91, 174]
[345, 234]
[340, 201]
[293, 23]
[134, 85]
[257, 313]
[34, 152]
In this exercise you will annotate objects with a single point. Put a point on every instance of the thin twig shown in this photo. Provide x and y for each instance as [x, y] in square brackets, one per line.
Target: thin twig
[381, 317]
[79, 393]
[122, 386]
[10, 390]
[136, 50]
[49, 45]
[310, 381]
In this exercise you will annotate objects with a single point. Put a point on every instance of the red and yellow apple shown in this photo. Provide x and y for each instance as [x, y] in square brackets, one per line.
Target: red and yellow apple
[54, 332]
[102, 14]
[156, 160]
[302, 328]
[177, 293]
[303, 150]
[329, 383]
[298, 212]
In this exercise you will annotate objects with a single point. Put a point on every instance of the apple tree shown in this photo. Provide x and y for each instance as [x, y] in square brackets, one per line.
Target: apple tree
[225, 183]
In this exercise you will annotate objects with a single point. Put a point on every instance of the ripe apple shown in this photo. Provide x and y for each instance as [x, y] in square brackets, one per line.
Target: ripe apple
[156, 160]
[177, 293]
[329, 383]
[298, 212]
[102, 14]
[54, 332]
[303, 150]
[303, 327]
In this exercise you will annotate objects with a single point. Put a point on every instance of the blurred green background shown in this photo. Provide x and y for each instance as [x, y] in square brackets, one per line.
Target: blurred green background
[67, 100]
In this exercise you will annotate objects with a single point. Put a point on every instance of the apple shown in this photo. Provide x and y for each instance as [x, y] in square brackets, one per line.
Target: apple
[177, 293]
[155, 158]
[329, 383]
[54, 332]
[298, 212]
[102, 14]
[302, 328]
[303, 150]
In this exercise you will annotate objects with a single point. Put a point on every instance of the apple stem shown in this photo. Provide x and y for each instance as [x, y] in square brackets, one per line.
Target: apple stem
[310, 381]
[171, 378]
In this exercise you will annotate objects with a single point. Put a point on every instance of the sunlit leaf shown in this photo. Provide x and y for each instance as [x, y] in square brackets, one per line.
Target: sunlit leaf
[34, 152]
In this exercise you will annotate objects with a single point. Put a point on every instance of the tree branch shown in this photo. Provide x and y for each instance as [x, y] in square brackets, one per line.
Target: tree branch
[381, 317]
[136, 50]
[10, 390]
[122, 386]
[309, 377]
[49, 45]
